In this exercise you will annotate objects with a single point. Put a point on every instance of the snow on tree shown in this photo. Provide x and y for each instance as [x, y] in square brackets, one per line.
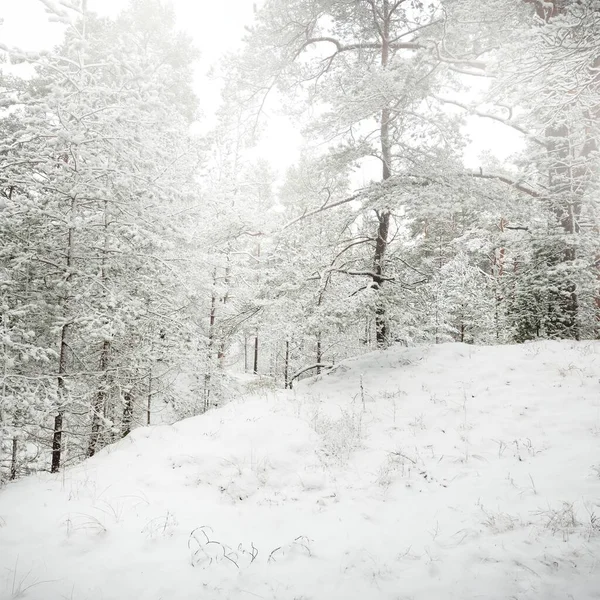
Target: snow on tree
[94, 174]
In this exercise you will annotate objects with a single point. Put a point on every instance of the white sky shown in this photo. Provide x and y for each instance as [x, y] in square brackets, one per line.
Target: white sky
[26, 24]
[217, 26]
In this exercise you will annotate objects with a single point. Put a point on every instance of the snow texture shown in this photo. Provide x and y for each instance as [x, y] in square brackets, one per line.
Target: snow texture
[439, 472]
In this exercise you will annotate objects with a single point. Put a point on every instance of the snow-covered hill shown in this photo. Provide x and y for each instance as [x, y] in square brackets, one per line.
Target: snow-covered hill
[432, 473]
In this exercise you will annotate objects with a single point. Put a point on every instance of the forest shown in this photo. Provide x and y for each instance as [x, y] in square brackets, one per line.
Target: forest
[151, 258]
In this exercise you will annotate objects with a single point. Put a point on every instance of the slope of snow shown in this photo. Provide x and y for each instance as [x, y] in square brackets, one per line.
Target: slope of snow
[445, 472]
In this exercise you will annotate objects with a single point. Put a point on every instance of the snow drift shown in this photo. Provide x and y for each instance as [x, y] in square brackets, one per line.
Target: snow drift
[437, 472]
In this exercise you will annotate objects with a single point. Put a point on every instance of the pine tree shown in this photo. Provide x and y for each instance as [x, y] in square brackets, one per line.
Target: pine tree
[100, 167]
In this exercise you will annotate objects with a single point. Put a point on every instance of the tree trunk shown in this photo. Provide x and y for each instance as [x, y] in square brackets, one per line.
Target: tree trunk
[99, 403]
[383, 217]
[255, 367]
[319, 354]
[211, 343]
[127, 414]
[381, 330]
[286, 366]
[13, 458]
[224, 300]
[149, 400]
[57, 436]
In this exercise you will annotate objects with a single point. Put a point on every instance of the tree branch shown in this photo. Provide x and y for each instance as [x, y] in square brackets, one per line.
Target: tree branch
[322, 208]
[517, 228]
[315, 366]
[504, 179]
[357, 46]
[479, 113]
[420, 181]
[360, 274]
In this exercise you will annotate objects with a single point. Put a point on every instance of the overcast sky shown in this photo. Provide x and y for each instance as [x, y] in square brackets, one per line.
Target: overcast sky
[26, 24]
[216, 27]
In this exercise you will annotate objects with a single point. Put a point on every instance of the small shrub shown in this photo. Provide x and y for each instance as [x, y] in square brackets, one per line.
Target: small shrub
[340, 436]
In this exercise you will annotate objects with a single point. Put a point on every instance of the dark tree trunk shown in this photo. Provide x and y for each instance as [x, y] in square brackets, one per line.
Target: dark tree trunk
[381, 330]
[255, 367]
[98, 406]
[57, 442]
[149, 399]
[127, 414]
[383, 216]
[57, 436]
[319, 353]
[13, 459]
[286, 366]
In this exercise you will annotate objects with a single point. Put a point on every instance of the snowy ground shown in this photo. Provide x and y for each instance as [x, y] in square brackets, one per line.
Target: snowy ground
[433, 473]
